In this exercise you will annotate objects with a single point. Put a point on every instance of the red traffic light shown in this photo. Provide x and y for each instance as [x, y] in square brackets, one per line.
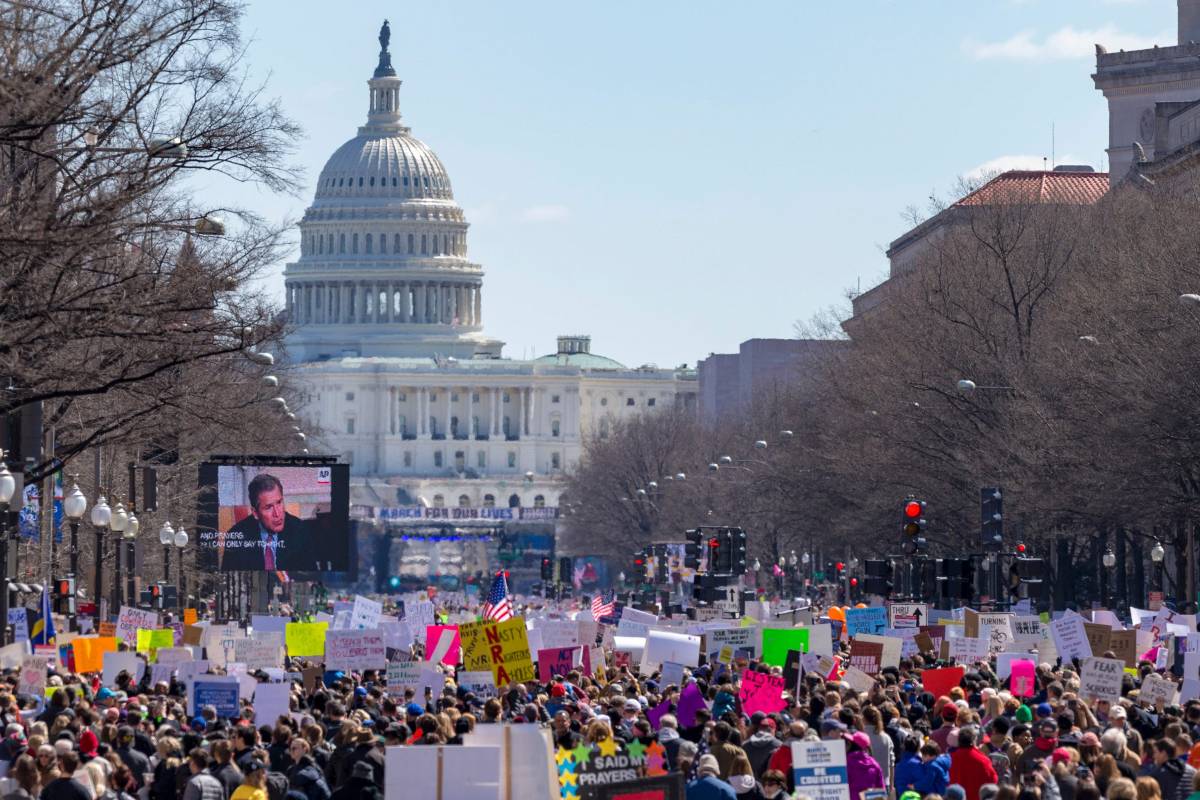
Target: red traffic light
[912, 509]
[840, 566]
[714, 543]
[854, 581]
[638, 561]
[1021, 548]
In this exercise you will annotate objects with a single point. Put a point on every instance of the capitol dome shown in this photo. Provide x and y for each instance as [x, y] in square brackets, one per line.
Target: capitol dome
[383, 267]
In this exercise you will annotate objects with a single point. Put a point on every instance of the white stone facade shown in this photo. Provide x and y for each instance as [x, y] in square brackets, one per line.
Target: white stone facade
[396, 373]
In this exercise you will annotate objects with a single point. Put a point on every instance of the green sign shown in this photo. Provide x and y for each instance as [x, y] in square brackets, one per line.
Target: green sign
[818, 575]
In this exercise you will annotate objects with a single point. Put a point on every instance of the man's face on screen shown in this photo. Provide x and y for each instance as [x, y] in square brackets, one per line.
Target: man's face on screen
[270, 510]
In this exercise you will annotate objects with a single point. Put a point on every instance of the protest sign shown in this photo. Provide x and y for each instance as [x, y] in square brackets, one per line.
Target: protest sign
[907, 615]
[777, 642]
[502, 647]
[555, 661]
[481, 683]
[819, 769]
[858, 680]
[1070, 637]
[1099, 636]
[263, 622]
[996, 630]
[866, 656]
[190, 617]
[306, 638]
[90, 650]
[258, 653]
[128, 622]
[355, 650]
[220, 691]
[690, 701]
[442, 644]
[939, 682]
[18, 618]
[635, 623]
[402, 676]
[32, 679]
[558, 633]
[271, 701]
[1023, 677]
[527, 768]
[116, 663]
[1100, 678]
[175, 655]
[891, 648]
[865, 620]
[1123, 644]
[1027, 630]
[150, 641]
[1156, 689]
[420, 615]
[441, 772]
[737, 638]
[761, 692]
[968, 650]
[664, 646]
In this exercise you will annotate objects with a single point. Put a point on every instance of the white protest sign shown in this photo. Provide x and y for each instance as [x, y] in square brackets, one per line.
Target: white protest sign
[892, 647]
[271, 701]
[116, 663]
[858, 680]
[1070, 637]
[12, 655]
[738, 638]
[365, 613]
[420, 616]
[401, 676]
[130, 619]
[1157, 689]
[1100, 678]
[481, 683]
[819, 769]
[663, 646]
[996, 630]
[258, 653]
[968, 650]
[908, 615]
[33, 675]
[635, 623]
[1028, 630]
[355, 650]
[559, 633]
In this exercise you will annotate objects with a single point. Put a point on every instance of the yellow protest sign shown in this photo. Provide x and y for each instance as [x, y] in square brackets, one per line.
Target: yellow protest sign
[90, 650]
[305, 638]
[149, 640]
[501, 647]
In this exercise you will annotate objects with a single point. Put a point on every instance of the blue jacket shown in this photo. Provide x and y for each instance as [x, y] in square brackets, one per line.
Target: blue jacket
[908, 773]
[935, 776]
[710, 788]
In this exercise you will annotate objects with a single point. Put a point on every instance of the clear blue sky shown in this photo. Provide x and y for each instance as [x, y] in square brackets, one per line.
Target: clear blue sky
[674, 177]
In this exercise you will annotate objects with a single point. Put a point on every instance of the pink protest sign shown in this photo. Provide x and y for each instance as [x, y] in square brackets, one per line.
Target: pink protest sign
[1023, 679]
[761, 692]
[555, 661]
[442, 644]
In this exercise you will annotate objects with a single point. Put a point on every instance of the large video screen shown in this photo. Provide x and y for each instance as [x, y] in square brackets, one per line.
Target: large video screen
[263, 517]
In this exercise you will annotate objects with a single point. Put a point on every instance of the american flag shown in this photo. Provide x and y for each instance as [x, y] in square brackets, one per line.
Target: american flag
[603, 604]
[498, 606]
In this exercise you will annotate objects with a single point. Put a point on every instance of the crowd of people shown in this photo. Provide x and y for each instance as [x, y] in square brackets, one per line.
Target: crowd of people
[976, 741]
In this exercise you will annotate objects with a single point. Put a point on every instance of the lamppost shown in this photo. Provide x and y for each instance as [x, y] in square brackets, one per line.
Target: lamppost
[1157, 554]
[166, 537]
[125, 551]
[792, 568]
[117, 524]
[101, 518]
[181, 540]
[1109, 560]
[74, 506]
[8, 487]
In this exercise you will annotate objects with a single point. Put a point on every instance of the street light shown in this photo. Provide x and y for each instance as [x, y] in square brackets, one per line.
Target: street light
[1157, 554]
[681, 476]
[1190, 299]
[118, 522]
[712, 467]
[181, 540]
[1109, 559]
[101, 519]
[761, 444]
[967, 386]
[128, 537]
[166, 537]
[725, 460]
[8, 484]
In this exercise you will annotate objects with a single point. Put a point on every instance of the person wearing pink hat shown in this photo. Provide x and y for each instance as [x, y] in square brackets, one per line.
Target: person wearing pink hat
[864, 771]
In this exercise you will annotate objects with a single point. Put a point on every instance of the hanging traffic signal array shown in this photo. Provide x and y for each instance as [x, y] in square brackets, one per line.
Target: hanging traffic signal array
[991, 518]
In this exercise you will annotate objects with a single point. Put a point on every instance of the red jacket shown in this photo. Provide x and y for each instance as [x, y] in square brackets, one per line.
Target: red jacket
[970, 769]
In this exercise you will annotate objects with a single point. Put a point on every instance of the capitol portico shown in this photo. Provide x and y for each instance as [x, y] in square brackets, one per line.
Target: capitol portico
[396, 373]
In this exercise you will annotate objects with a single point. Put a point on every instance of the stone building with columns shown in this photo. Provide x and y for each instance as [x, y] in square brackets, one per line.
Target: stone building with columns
[397, 375]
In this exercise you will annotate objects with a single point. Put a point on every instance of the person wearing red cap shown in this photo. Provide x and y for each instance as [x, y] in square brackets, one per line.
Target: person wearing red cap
[969, 767]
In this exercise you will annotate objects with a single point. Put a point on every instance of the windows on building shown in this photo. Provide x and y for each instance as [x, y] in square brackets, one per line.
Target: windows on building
[437, 458]
[555, 428]
[408, 458]
[489, 501]
[555, 461]
[506, 397]
[604, 428]
[512, 459]
[603, 401]
[369, 243]
[464, 501]
[410, 236]
[553, 398]
[341, 242]
[460, 460]
[354, 243]
[514, 501]
[454, 397]
[402, 424]
[481, 459]
[350, 426]
[650, 402]
[402, 396]
[349, 397]
[438, 500]
[539, 501]
[629, 401]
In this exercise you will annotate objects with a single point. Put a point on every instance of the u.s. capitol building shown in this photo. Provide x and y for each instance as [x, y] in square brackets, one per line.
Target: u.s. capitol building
[398, 376]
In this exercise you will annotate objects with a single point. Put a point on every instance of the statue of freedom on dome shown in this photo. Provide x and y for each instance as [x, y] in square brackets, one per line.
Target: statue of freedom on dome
[385, 36]
[385, 58]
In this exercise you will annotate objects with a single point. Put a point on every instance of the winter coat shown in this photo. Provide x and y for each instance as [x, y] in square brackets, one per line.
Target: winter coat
[864, 772]
[305, 777]
[970, 769]
[759, 749]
